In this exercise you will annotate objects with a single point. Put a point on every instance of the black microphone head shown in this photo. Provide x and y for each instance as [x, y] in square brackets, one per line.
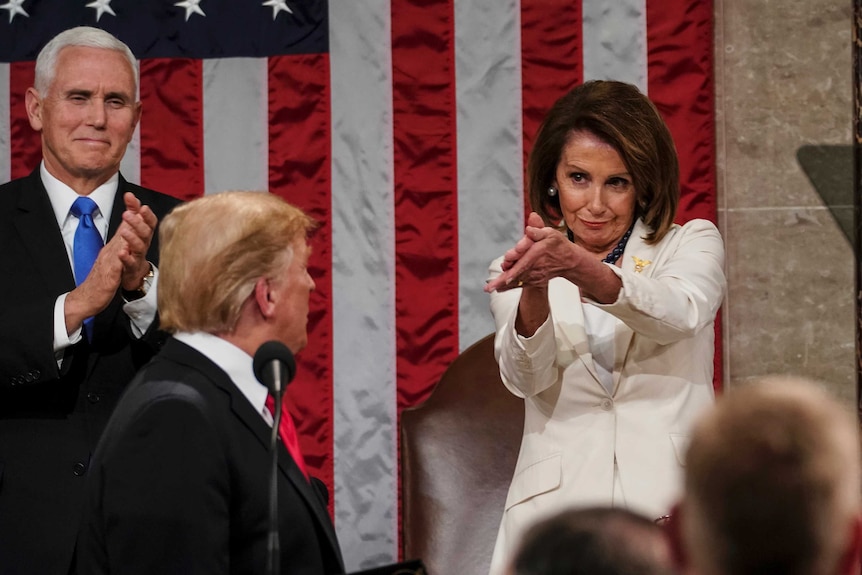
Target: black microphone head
[269, 352]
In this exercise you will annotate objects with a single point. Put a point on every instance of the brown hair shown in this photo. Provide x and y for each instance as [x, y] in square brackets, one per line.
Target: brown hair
[772, 481]
[213, 250]
[593, 541]
[620, 115]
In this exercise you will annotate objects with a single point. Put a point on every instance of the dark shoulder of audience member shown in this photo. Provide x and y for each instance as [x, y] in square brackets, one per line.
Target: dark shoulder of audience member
[594, 541]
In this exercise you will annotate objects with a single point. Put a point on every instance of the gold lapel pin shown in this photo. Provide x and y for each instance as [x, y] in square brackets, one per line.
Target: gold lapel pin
[640, 264]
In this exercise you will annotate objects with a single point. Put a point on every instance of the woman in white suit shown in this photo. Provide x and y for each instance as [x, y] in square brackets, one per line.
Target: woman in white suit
[604, 313]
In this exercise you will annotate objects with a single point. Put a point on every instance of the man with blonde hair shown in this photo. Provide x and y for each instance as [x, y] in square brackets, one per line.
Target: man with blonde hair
[772, 485]
[179, 481]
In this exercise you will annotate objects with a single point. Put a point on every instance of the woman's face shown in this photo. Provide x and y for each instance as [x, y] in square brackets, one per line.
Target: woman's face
[597, 195]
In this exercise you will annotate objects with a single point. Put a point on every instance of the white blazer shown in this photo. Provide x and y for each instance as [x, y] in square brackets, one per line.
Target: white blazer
[574, 430]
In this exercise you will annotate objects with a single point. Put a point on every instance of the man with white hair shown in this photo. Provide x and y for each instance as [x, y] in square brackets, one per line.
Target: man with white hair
[78, 312]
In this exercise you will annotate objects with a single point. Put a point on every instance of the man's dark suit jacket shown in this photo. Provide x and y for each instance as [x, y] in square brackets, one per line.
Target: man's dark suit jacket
[51, 418]
[180, 483]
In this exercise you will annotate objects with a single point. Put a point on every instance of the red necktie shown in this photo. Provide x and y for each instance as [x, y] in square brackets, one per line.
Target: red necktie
[287, 432]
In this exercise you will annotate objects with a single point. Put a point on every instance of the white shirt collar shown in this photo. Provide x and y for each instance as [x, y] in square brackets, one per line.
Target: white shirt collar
[236, 363]
[62, 197]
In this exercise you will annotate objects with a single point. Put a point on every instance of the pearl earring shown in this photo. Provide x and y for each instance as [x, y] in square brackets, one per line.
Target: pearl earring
[552, 191]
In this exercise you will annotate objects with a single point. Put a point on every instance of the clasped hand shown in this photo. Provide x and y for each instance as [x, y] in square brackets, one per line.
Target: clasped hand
[541, 254]
[122, 262]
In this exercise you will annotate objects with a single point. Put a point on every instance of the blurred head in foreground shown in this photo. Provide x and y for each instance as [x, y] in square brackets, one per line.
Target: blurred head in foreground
[594, 541]
[772, 484]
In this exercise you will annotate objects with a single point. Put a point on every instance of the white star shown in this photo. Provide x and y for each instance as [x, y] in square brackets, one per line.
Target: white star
[278, 6]
[101, 6]
[14, 7]
[191, 6]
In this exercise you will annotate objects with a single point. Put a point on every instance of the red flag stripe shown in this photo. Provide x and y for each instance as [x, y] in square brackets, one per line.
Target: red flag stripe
[172, 98]
[26, 147]
[426, 204]
[551, 62]
[680, 79]
[299, 171]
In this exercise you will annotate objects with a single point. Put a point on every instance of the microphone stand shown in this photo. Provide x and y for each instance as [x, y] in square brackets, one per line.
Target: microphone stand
[274, 367]
[273, 558]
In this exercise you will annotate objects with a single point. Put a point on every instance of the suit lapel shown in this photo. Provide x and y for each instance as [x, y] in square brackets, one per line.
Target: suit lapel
[290, 469]
[118, 209]
[639, 257]
[120, 205]
[254, 423]
[37, 227]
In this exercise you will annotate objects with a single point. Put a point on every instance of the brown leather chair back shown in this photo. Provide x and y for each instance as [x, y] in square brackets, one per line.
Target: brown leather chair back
[458, 453]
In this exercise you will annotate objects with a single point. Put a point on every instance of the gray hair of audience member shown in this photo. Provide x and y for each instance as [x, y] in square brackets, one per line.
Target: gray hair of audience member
[83, 36]
[593, 541]
[773, 483]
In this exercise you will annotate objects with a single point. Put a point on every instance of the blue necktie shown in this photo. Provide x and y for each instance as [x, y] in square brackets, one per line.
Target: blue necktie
[88, 242]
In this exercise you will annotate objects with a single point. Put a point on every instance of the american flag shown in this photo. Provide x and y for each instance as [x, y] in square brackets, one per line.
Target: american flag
[402, 126]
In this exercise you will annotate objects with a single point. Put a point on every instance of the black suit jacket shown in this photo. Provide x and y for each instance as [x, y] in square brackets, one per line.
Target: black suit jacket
[51, 418]
[179, 483]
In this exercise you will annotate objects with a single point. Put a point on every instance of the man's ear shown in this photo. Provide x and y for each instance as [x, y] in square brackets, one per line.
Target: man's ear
[850, 561]
[263, 297]
[33, 103]
[673, 531]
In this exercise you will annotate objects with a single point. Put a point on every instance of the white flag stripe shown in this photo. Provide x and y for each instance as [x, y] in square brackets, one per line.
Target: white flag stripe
[235, 119]
[490, 150]
[615, 43]
[5, 126]
[130, 165]
[363, 283]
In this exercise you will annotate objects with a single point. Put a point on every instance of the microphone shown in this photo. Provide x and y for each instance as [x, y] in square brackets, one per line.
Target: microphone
[274, 367]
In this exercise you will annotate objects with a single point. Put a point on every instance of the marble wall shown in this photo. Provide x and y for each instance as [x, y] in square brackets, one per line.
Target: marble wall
[784, 127]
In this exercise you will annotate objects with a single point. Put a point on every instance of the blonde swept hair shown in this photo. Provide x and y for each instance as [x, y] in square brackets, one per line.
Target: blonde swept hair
[213, 250]
[772, 481]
